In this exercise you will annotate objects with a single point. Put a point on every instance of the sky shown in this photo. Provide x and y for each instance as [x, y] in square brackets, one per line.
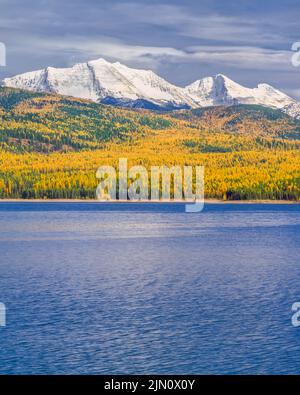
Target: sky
[248, 40]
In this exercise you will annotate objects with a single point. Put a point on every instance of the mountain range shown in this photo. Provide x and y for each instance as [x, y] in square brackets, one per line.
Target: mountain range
[116, 84]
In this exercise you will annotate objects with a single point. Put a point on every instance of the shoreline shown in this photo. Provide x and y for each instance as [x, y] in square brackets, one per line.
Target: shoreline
[207, 201]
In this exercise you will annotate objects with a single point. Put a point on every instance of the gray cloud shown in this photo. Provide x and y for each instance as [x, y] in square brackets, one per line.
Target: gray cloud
[183, 41]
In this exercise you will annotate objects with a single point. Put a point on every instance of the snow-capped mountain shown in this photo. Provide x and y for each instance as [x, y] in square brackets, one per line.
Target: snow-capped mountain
[101, 81]
[220, 90]
[114, 83]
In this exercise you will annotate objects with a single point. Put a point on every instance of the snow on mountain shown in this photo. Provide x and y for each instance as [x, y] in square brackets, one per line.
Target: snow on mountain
[220, 90]
[292, 109]
[114, 83]
[99, 80]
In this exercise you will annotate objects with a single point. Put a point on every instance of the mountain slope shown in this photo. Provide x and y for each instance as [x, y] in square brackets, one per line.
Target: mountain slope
[51, 146]
[43, 122]
[117, 84]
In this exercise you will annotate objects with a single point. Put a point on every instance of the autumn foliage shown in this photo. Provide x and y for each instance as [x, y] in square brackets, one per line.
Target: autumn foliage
[51, 146]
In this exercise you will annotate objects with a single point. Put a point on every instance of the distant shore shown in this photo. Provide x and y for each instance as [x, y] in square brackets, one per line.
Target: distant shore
[207, 201]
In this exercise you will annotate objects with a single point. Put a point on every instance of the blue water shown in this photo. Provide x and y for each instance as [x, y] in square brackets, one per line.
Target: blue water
[147, 288]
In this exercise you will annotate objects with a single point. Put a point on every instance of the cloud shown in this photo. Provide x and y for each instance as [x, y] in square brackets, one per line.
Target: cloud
[204, 25]
[243, 57]
[80, 49]
[180, 40]
[84, 49]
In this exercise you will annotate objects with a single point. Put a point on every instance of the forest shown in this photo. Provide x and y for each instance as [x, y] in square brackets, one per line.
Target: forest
[51, 146]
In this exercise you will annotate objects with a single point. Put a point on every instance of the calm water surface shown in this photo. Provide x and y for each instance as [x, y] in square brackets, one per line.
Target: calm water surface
[146, 288]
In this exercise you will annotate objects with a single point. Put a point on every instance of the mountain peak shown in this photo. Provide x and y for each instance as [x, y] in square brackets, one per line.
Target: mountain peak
[264, 85]
[114, 83]
[222, 76]
[99, 60]
[221, 90]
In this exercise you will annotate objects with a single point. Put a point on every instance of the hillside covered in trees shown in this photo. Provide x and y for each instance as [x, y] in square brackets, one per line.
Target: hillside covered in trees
[51, 146]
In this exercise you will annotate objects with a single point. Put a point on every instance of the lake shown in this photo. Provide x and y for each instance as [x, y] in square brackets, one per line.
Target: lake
[148, 289]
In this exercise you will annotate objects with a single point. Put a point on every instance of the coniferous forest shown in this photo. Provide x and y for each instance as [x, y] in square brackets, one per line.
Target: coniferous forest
[51, 146]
